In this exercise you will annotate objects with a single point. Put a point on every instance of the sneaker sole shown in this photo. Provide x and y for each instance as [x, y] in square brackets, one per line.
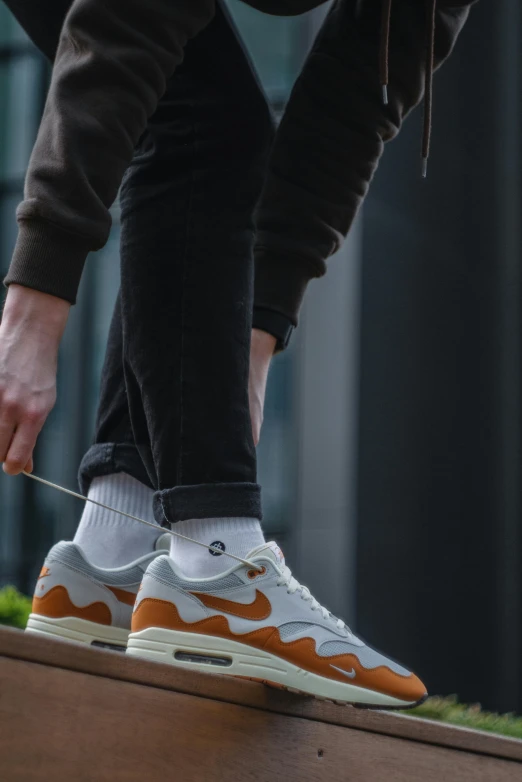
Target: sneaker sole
[71, 628]
[197, 652]
[362, 706]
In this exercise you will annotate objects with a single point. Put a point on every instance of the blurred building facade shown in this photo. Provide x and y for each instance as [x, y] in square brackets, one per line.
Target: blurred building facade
[391, 445]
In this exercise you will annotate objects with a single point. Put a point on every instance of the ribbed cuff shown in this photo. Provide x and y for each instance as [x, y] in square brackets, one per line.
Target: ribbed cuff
[197, 528]
[274, 323]
[48, 259]
[280, 284]
[108, 458]
[208, 501]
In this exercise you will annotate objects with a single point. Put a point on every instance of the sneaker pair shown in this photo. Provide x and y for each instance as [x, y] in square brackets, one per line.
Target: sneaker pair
[76, 601]
[255, 622]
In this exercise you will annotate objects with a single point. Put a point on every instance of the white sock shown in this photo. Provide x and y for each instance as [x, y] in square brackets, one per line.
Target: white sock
[235, 536]
[108, 539]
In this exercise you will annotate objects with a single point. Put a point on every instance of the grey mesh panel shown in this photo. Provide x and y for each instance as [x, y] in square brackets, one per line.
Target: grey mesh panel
[69, 555]
[292, 628]
[161, 570]
[368, 658]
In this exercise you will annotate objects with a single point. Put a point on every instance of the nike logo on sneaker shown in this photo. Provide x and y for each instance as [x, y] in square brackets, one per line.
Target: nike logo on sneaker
[350, 674]
[256, 611]
[44, 572]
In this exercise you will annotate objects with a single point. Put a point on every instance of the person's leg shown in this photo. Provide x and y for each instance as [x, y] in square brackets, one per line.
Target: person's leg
[202, 446]
[187, 206]
[112, 471]
[113, 449]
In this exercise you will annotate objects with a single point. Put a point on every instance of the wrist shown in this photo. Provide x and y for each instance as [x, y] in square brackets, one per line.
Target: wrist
[26, 307]
[263, 344]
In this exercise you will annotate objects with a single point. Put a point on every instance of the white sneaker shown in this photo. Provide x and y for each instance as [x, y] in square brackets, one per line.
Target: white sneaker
[262, 624]
[77, 601]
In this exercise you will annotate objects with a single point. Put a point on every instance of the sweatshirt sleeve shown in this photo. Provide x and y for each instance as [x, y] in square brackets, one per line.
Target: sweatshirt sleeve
[331, 138]
[112, 63]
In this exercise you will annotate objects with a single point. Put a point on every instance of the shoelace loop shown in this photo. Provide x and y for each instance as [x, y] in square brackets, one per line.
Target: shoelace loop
[293, 586]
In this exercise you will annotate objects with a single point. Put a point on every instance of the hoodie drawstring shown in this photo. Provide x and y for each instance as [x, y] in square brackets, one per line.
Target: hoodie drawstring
[431, 7]
[428, 84]
[385, 48]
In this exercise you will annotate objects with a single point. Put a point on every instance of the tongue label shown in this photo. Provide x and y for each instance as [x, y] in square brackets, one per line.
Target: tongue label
[277, 551]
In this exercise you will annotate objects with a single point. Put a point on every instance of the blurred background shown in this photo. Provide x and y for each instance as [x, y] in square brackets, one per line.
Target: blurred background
[392, 443]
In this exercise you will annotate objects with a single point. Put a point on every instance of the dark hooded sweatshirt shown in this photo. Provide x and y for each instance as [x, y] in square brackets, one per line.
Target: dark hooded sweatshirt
[110, 70]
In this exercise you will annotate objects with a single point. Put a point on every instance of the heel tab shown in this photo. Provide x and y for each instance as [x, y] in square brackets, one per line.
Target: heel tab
[66, 548]
[160, 567]
[69, 553]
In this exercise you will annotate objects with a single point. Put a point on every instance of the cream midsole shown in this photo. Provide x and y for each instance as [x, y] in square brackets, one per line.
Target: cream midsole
[160, 644]
[71, 628]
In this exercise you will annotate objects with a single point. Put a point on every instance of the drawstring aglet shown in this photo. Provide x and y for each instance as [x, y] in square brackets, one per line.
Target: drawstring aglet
[385, 94]
[424, 167]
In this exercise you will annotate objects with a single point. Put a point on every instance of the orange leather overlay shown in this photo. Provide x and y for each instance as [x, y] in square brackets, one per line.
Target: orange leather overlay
[57, 604]
[152, 612]
[129, 598]
[258, 610]
[302, 653]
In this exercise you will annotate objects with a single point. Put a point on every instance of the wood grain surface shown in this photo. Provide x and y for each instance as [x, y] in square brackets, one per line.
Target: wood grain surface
[74, 713]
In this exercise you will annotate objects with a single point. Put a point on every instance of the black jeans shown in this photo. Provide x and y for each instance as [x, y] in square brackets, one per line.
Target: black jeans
[174, 407]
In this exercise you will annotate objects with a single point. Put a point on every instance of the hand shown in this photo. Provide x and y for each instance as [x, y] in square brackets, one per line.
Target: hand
[30, 333]
[261, 351]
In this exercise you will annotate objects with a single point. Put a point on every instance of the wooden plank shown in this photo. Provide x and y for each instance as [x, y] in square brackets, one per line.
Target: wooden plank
[114, 665]
[70, 725]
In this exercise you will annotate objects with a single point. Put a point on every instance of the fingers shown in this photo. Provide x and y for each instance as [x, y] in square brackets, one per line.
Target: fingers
[28, 361]
[7, 428]
[29, 466]
[20, 451]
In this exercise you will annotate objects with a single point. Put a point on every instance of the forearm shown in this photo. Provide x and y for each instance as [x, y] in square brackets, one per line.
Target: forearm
[331, 138]
[26, 309]
[110, 71]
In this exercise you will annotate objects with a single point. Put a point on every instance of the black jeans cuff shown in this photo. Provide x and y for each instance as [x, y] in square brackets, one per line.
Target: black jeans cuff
[208, 501]
[108, 458]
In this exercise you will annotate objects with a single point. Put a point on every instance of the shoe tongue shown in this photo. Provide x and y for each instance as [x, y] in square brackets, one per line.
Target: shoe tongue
[270, 550]
[163, 542]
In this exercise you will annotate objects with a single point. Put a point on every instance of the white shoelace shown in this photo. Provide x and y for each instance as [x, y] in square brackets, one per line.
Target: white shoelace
[137, 518]
[293, 585]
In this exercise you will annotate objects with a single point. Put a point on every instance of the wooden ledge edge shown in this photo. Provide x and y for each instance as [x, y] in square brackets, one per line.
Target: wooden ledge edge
[115, 665]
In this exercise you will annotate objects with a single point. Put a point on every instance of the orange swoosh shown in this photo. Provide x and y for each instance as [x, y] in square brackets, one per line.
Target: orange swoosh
[259, 609]
[44, 572]
[123, 597]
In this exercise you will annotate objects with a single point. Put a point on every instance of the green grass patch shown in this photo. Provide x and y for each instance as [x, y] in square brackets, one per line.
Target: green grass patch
[449, 710]
[14, 607]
